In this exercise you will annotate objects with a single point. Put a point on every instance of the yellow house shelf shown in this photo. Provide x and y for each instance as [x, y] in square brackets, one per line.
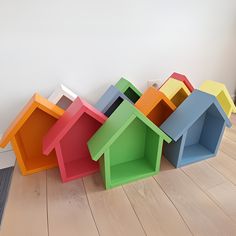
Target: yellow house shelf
[220, 91]
[175, 90]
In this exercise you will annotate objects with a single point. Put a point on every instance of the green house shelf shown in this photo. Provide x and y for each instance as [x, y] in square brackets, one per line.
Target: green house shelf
[128, 89]
[128, 146]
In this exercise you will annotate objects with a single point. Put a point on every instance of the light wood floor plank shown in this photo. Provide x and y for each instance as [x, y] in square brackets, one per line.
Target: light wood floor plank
[223, 191]
[229, 147]
[204, 175]
[200, 195]
[111, 209]
[225, 165]
[233, 119]
[231, 133]
[225, 195]
[228, 144]
[68, 208]
[201, 214]
[155, 211]
[26, 211]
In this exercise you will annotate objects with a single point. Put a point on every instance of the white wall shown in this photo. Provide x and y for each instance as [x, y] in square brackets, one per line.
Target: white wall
[89, 44]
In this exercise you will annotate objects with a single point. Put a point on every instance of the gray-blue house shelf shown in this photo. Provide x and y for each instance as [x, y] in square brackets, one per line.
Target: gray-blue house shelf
[196, 128]
[110, 100]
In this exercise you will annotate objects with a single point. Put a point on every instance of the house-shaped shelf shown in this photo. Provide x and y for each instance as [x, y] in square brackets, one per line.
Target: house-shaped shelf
[62, 96]
[175, 90]
[69, 136]
[110, 101]
[184, 79]
[128, 89]
[155, 105]
[128, 146]
[220, 91]
[26, 134]
[196, 128]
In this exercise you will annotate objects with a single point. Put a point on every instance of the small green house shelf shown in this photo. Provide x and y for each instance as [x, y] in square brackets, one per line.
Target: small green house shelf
[128, 89]
[128, 146]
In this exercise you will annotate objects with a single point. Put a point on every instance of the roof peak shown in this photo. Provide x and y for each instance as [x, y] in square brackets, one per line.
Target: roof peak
[181, 119]
[122, 117]
[36, 102]
[66, 122]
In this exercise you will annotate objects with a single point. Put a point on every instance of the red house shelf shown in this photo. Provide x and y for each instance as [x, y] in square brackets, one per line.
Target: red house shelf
[69, 137]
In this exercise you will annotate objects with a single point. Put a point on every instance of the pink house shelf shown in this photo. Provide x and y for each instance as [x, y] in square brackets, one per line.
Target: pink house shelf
[69, 137]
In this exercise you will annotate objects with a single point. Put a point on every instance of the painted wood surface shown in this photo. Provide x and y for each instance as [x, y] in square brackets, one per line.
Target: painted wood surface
[155, 105]
[205, 202]
[184, 79]
[33, 121]
[197, 134]
[175, 90]
[128, 89]
[128, 145]
[62, 96]
[111, 100]
[69, 137]
[220, 91]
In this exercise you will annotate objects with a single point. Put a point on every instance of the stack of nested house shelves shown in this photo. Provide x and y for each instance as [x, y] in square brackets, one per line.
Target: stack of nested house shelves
[124, 135]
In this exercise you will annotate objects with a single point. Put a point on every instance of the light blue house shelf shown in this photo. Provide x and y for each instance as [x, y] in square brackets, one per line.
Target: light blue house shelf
[111, 100]
[196, 128]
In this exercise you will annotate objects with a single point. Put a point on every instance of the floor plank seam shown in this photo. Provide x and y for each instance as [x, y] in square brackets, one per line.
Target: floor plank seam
[174, 206]
[227, 154]
[228, 135]
[221, 173]
[134, 211]
[47, 201]
[90, 208]
[214, 201]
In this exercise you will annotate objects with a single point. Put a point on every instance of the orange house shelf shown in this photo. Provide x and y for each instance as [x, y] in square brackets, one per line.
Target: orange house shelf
[155, 105]
[26, 134]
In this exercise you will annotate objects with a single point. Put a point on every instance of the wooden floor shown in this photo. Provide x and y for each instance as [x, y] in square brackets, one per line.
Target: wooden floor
[199, 199]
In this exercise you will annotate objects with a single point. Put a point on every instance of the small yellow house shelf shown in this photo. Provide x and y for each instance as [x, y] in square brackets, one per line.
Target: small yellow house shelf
[175, 90]
[220, 91]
